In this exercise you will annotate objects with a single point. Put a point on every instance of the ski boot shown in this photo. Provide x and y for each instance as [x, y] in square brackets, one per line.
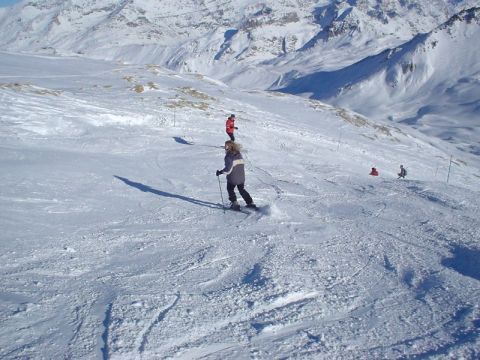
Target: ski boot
[234, 205]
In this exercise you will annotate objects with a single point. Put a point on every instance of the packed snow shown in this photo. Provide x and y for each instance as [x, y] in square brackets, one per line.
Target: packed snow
[116, 244]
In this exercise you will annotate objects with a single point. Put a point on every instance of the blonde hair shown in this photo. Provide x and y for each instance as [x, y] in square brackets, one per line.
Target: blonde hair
[233, 146]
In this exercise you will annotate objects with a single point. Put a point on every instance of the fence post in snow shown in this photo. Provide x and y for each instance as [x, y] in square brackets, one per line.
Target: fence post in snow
[175, 110]
[449, 167]
[339, 139]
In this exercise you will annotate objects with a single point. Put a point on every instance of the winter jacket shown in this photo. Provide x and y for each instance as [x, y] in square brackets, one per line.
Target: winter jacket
[230, 125]
[234, 168]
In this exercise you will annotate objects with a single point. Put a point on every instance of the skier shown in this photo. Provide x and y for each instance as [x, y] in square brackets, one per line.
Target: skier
[374, 172]
[235, 171]
[230, 126]
[402, 173]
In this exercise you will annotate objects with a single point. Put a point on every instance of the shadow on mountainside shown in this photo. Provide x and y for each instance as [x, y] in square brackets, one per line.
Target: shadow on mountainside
[146, 188]
[324, 85]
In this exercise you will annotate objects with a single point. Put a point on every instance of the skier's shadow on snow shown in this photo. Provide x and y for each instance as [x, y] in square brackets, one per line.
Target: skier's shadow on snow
[181, 140]
[146, 188]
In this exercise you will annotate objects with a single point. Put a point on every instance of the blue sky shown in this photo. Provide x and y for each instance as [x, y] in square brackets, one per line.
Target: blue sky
[4, 3]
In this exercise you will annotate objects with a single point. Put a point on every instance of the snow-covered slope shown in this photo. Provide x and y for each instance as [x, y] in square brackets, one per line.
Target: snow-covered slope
[115, 244]
[431, 82]
[341, 51]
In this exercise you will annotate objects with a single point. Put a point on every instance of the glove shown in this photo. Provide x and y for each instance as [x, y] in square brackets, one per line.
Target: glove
[219, 172]
[236, 128]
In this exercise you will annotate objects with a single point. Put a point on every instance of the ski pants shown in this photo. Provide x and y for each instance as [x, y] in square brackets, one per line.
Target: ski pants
[231, 136]
[241, 189]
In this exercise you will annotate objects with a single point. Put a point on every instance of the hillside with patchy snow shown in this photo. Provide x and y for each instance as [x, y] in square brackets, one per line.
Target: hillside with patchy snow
[115, 244]
[423, 55]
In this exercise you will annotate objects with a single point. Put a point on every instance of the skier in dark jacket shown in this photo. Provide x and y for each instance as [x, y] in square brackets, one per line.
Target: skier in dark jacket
[402, 173]
[235, 171]
[230, 127]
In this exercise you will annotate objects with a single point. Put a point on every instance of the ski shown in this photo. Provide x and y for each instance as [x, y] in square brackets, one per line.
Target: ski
[240, 210]
[247, 210]
[250, 210]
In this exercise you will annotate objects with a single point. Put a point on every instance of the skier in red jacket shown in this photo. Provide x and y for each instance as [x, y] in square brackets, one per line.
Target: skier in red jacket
[230, 126]
[374, 172]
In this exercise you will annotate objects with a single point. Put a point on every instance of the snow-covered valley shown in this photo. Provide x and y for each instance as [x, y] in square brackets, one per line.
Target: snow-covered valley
[115, 244]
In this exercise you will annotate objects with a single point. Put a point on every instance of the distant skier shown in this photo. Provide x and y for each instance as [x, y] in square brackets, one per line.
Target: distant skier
[374, 172]
[402, 173]
[235, 171]
[230, 126]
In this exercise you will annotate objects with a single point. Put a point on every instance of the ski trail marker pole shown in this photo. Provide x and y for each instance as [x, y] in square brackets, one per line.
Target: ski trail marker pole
[221, 194]
[449, 167]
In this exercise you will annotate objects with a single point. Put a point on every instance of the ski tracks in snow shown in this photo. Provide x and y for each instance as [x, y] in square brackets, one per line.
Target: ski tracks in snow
[142, 339]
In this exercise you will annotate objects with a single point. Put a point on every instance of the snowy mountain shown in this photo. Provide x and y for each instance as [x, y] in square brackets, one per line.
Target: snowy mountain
[431, 82]
[339, 51]
[115, 244]
[203, 36]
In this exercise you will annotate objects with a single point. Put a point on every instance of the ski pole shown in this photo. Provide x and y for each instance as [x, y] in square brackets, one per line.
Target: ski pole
[221, 194]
